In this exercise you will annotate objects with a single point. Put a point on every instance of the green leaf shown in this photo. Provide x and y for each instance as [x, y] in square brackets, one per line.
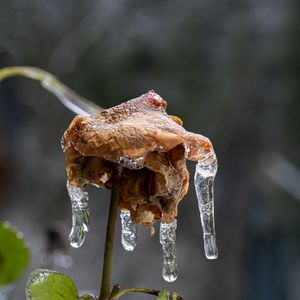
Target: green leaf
[50, 285]
[167, 295]
[14, 254]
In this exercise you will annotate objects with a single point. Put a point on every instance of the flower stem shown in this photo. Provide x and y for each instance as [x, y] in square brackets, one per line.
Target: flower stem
[68, 97]
[110, 235]
[135, 290]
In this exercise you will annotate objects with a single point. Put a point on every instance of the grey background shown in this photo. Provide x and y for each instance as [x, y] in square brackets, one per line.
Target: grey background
[230, 69]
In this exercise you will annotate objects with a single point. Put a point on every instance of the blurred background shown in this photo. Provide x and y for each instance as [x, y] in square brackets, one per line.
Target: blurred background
[230, 69]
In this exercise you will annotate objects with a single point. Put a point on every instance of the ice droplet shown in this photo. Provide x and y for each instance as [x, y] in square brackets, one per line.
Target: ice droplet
[204, 183]
[80, 215]
[167, 237]
[129, 231]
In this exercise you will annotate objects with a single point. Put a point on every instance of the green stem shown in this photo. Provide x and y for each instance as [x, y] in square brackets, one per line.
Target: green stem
[68, 97]
[110, 235]
[135, 290]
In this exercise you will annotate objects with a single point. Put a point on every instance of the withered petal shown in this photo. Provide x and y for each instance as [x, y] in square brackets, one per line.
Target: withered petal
[151, 145]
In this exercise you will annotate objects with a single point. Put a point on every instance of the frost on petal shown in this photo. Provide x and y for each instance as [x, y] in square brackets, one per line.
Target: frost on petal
[149, 144]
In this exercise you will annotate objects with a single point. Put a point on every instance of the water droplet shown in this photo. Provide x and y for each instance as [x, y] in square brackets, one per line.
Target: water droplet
[167, 237]
[129, 231]
[204, 182]
[80, 215]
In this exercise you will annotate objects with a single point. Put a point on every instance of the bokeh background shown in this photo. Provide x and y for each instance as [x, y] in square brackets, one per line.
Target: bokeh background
[230, 69]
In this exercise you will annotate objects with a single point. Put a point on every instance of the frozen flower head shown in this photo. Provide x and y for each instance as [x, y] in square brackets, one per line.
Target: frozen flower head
[151, 145]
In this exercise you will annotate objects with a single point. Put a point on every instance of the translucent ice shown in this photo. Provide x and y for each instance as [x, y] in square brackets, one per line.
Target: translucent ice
[167, 237]
[130, 163]
[80, 215]
[129, 231]
[204, 182]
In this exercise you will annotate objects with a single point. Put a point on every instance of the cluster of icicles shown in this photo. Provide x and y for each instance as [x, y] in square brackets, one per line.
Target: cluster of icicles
[203, 180]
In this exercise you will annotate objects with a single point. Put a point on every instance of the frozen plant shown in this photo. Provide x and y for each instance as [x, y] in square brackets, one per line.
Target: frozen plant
[139, 152]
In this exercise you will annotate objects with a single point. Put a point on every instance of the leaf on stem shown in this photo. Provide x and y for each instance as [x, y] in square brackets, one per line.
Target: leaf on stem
[46, 284]
[167, 295]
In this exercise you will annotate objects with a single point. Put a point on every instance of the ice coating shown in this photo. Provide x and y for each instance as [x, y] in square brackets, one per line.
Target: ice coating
[36, 277]
[149, 144]
[152, 147]
[130, 163]
[167, 238]
[129, 231]
[80, 215]
[204, 182]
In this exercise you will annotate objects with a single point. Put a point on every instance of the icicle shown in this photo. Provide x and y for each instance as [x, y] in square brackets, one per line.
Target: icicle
[80, 215]
[204, 182]
[129, 231]
[167, 237]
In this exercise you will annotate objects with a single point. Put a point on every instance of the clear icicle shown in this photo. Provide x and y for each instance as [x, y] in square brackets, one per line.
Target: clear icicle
[167, 237]
[80, 215]
[204, 183]
[129, 231]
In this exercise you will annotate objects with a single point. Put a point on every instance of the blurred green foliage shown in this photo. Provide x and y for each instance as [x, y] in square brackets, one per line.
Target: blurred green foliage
[14, 254]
